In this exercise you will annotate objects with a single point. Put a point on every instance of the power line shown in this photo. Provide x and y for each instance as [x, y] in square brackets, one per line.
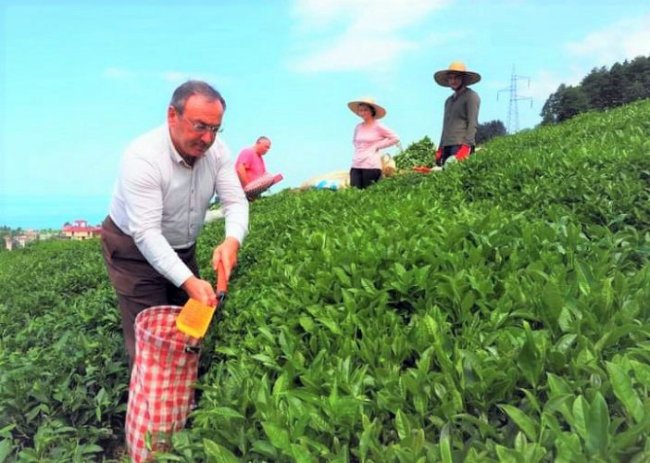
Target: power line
[513, 110]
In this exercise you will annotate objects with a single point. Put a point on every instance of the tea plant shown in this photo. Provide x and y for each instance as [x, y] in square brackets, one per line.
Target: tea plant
[493, 312]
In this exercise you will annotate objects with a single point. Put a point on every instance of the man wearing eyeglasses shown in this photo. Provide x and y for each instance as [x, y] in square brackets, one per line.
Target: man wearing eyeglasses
[166, 181]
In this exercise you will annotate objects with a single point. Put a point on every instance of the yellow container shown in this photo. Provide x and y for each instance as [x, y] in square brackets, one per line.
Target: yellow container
[195, 317]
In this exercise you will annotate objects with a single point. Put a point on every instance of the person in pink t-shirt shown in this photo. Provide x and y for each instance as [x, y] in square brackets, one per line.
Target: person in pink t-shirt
[250, 164]
[369, 137]
[251, 169]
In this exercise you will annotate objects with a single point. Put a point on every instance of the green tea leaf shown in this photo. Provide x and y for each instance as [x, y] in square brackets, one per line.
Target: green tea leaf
[569, 449]
[622, 385]
[402, 425]
[641, 371]
[507, 455]
[342, 276]
[278, 436]
[598, 426]
[218, 453]
[301, 454]
[557, 384]
[226, 412]
[583, 279]
[529, 360]
[527, 424]
[6, 448]
[581, 417]
[445, 445]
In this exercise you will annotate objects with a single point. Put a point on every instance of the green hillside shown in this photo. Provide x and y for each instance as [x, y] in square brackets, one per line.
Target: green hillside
[496, 311]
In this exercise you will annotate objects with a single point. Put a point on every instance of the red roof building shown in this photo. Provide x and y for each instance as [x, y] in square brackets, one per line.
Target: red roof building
[80, 230]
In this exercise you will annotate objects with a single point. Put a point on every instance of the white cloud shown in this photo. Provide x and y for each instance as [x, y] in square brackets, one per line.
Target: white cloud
[173, 77]
[117, 73]
[353, 54]
[178, 77]
[344, 35]
[623, 40]
[619, 41]
[544, 83]
[318, 14]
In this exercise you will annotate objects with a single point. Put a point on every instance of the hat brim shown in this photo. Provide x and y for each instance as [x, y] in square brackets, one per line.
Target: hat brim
[379, 111]
[470, 77]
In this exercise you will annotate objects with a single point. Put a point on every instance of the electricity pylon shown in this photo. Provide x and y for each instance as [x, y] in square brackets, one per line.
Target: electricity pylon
[513, 110]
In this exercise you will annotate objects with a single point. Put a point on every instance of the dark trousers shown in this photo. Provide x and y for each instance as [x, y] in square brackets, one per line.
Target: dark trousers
[449, 151]
[363, 178]
[137, 284]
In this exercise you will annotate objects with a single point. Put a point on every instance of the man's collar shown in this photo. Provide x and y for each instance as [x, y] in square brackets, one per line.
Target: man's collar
[459, 92]
[176, 156]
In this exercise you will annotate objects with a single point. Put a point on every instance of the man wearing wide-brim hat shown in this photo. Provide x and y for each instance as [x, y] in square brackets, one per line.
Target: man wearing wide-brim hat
[460, 121]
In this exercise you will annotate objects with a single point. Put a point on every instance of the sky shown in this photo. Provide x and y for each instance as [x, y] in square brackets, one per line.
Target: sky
[80, 79]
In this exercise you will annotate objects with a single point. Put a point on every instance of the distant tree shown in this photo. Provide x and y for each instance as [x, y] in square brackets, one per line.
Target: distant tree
[626, 82]
[613, 92]
[489, 130]
[600, 89]
[572, 102]
[565, 103]
[552, 106]
[636, 91]
[593, 85]
[636, 85]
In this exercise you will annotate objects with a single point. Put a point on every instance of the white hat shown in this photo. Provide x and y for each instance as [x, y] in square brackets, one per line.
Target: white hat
[379, 111]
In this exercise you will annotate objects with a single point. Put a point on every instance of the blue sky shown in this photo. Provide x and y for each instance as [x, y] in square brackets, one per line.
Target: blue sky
[80, 79]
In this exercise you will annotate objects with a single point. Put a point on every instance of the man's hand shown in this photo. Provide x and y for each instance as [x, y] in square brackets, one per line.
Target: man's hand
[200, 290]
[226, 253]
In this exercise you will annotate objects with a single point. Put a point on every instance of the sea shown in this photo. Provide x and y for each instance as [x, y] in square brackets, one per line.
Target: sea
[51, 212]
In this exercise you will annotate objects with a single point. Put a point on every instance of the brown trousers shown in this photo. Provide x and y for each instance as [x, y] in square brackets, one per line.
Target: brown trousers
[137, 284]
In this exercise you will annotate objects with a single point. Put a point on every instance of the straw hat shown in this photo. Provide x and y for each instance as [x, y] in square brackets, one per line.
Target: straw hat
[379, 111]
[457, 66]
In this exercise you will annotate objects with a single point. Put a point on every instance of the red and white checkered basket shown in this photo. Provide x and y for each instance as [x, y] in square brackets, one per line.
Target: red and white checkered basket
[160, 391]
[260, 185]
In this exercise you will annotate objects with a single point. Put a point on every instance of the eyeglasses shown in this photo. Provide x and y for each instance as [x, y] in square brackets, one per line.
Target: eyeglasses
[200, 127]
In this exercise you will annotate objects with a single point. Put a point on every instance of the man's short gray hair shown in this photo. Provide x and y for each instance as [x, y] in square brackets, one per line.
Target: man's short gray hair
[194, 87]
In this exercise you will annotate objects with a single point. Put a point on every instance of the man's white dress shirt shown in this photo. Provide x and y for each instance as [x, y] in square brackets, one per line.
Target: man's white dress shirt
[161, 201]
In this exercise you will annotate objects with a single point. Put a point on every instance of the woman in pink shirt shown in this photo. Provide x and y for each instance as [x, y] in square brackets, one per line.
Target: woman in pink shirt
[369, 137]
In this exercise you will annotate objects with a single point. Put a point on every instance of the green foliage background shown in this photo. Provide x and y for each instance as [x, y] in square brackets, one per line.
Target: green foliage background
[420, 153]
[601, 89]
[495, 311]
